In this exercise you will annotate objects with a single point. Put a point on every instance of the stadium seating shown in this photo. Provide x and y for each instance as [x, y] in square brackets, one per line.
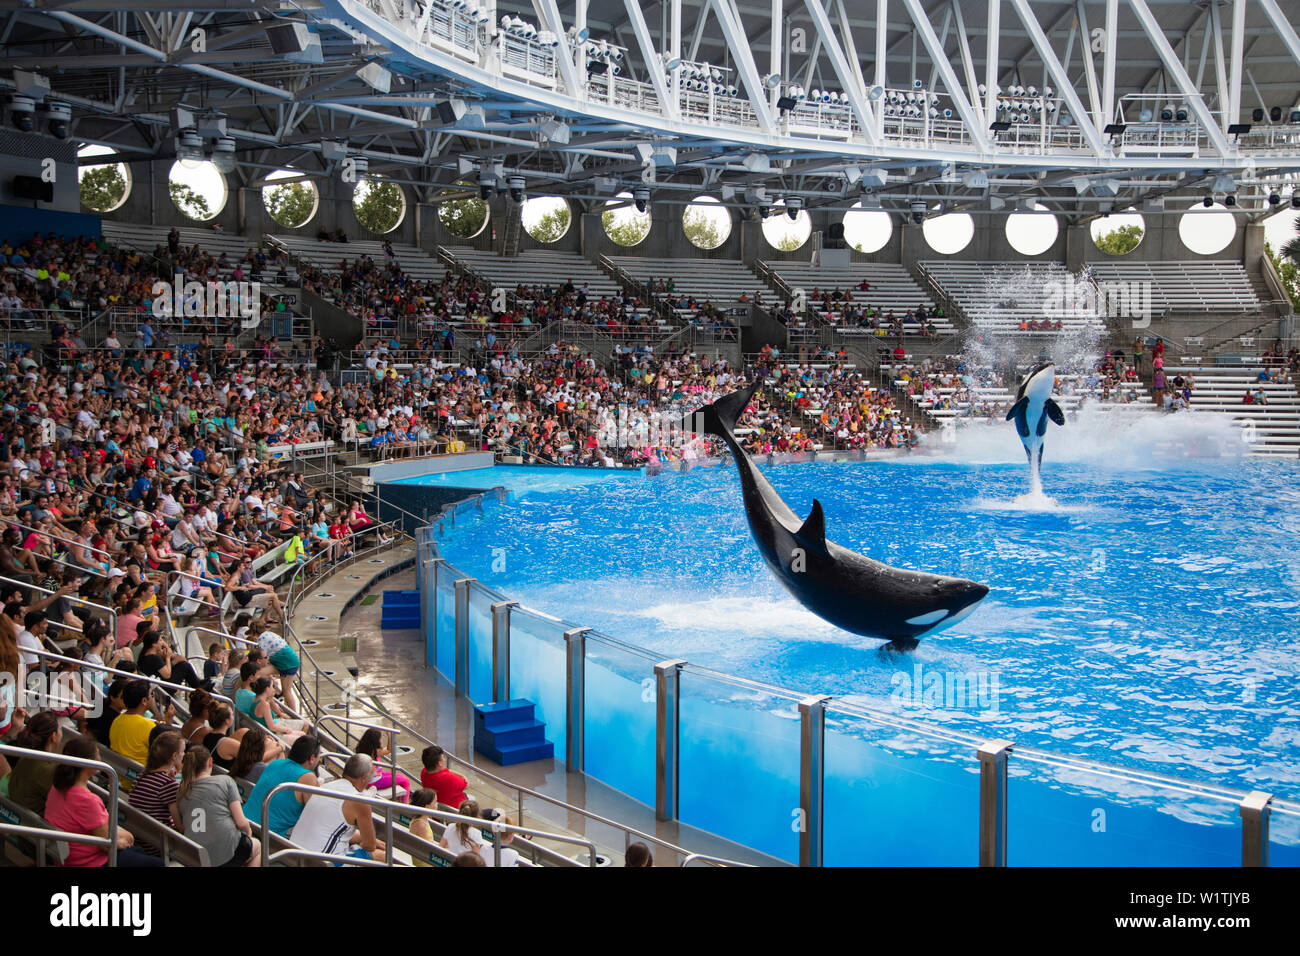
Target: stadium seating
[1272, 429]
[1000, 296]
[892, 290]
[1179, 287]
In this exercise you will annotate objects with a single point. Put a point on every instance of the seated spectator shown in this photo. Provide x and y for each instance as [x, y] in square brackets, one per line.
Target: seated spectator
[155, 790]
[285, 807]
[129, 733]
[73, 808]
[375, 745]
[464, 837]
[30, 780]
[257, 748]
[449, 786]
[638, 854]
[341, 827]
[213, 801]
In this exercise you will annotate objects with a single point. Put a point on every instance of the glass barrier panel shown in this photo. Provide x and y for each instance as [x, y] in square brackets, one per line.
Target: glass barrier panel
[429, 595]
[445, 621]
[739, 763]
[1092, 815]
[537, 660]
[895, 796]
[1284, 834]
[481, 600]
[620, 717]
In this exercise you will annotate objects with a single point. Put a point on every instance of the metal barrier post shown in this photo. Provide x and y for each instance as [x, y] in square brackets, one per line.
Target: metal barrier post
[501, 650]
[429, 591]
[431, 654]
[812, 730]
[667, 687]
[993, 802]
[462, 636]
[1255, 811]
[575, 692]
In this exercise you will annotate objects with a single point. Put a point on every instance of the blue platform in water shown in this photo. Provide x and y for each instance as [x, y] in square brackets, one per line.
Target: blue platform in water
[509, 733]
[400, 610]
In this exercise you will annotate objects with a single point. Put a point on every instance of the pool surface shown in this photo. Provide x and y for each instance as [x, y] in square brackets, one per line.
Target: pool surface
[1144, 615]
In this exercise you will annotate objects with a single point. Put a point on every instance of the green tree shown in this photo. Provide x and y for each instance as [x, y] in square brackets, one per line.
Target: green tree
[1288, 271]
[552, 225]
[701, 229]
[189, 202]
[463, 217]
[379, 206]
[1119, 241]
[289, 204]
[788, 243]
[1291, 248]
[102, 187]
[625, 226]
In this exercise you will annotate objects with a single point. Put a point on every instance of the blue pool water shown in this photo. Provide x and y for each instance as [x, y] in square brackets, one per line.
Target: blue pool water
[1145, 616]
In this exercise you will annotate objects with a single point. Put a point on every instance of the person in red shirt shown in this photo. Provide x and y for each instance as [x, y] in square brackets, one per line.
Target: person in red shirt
[449, 786]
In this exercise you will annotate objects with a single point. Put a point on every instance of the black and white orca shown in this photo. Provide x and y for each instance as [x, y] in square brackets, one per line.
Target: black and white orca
[841, 586]
[1033, 407]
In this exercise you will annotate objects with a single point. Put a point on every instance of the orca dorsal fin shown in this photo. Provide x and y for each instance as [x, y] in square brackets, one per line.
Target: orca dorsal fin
[812, 534]
[1017, 413]
[1054, 411]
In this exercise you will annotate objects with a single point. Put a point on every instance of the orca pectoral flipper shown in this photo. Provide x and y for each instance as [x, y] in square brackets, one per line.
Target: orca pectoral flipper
[720, 418]
[1017, 413]
[1054, 411]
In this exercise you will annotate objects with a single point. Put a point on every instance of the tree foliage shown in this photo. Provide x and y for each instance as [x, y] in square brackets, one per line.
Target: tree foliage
[1291, 248]
[188, 201]
[1120, 241]
[289, 204]
[702, 229]
[463, 218]
[625, 226]
[552, 225]
[102, 187]
[379, 205]
[1288, 268]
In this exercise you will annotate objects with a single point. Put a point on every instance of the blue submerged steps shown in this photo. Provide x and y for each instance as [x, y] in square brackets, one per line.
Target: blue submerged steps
[508, 733]
[400, 610]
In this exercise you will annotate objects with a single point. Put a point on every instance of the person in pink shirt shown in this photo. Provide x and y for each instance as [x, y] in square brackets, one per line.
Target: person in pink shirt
[127, 622]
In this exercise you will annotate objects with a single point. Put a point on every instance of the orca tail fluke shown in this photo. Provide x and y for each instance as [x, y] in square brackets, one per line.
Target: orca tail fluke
[721, 417]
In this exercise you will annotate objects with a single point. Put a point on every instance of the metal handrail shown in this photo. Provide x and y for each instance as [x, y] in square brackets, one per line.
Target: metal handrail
[352, 721]
[110, 841]
[112, 614]
[389, 807]
[713, 860]
[157, 681]
[19, 524]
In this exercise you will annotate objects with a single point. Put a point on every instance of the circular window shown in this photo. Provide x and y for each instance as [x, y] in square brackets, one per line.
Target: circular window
[949, 233]
[379, 204]
[198, 189]
[466, 217]
[784, 233]
[1206, 230]
[546, 218]
[1032, 233]
[291, 204]
[1119, 233]
[623, 222]
[706, 222]
[867, 230]
[103, 188]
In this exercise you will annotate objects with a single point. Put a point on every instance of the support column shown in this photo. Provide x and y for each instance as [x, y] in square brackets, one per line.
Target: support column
[462, 636]
[501, 650]
[575, 646]
[993, 802]
[1255, 812]
[667, 696]
[812, 737]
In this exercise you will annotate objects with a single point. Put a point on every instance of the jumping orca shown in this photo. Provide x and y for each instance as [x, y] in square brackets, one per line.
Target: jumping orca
[1033, 407]
[845, 588]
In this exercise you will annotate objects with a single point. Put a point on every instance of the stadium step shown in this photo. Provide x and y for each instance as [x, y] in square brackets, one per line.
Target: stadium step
[508, 733]
[401, 610]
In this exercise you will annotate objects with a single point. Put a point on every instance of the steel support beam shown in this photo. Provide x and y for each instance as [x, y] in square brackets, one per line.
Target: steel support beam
[1234, 70]
[1195, 101]
[847, 73]
[974, 122]
[1060, 77]
[734, 32]
[1283, 26]
[549, 14]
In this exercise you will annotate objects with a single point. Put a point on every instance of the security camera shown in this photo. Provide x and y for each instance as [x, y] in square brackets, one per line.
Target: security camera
[486, 185]
[516, 184]
[918, 212]
[641, 196]
[793, 206]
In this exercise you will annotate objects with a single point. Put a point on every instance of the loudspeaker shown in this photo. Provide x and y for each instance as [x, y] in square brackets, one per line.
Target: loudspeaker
[447, 112]
[33, 187]
[835, 231]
